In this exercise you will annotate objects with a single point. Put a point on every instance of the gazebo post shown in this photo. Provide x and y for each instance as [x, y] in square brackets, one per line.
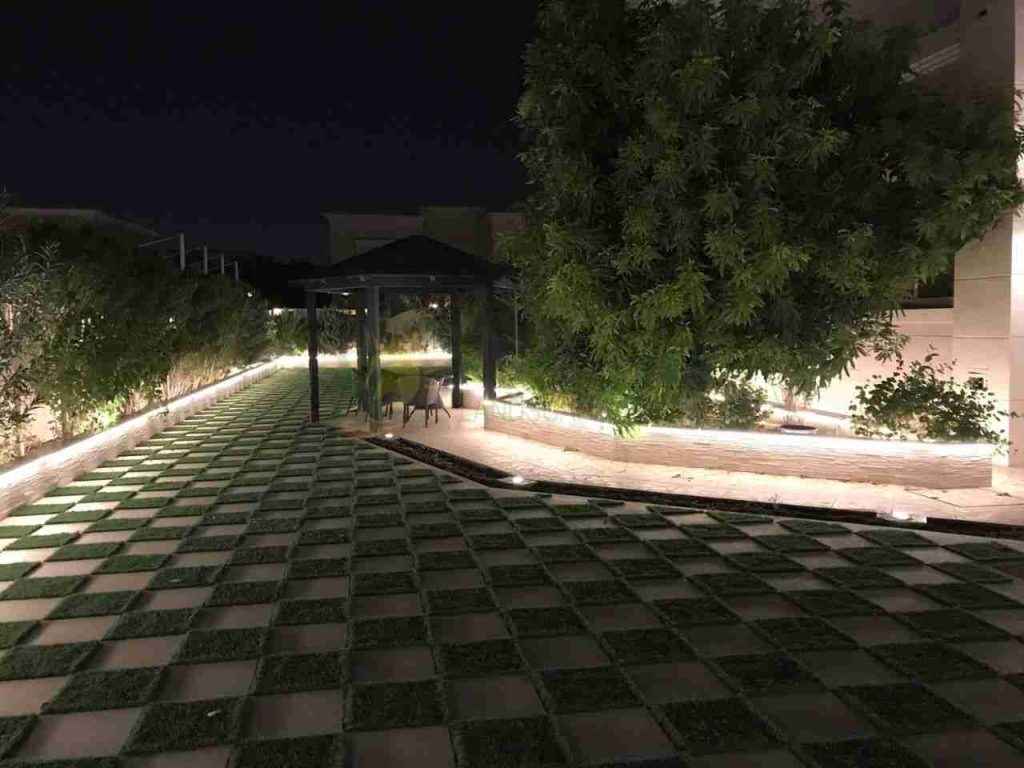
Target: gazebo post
[456, 321]
[313, 344]
[373, 356]
[489, 344]
[361, 366]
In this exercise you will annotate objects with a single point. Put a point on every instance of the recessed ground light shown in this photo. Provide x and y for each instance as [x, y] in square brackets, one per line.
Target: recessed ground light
[901, 516]
[389, 435]
[516, 480]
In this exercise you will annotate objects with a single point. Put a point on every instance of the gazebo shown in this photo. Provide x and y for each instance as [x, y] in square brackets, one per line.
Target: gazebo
[415, 264]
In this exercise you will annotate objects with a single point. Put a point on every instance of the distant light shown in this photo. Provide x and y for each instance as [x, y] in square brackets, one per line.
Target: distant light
[433, 305]
[517, 479]
[345, 293]
[900, 515]
[249, 294]
[389, 435]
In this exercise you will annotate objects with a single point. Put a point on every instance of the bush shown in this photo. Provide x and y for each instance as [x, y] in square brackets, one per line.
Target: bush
[919, 401]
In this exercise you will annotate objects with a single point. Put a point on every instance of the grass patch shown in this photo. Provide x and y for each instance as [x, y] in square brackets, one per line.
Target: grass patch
[789, 542]
[967, 596]
[390, 633]
[259, 555]
[731, 584]
[318, 611]
[864, 753]
[444, 561]
[117, 524]
[564, 553]
[540, 524]
[289, 672]
[602, 592]
[224, 518]
[244, 593]
[907, 708]
[859, 577]
[987, 551]
[713, 532]
[47, 586]
[737, 518]
[509, 743]
[396, 705]
[764, 562]
[13, 730]
[814, 527]
[222, 645]
[78, 516]
[582, 690]
[645, 646]
[384, 583]
[317, 569]
[174, 621]
[378, 519]
[767, 673]
[382, 548]
[695, 612]
[42, 542]
[42, 509]
[544, 622]
[481, 515]
[17, 531]
[605, 535]
[99, 689]
[323, 511]
[304, 752]
[480, 659]
[30, 661]
[169, 727]
[85, 551]
[97, 604]
[168, 533]
[643, 520]
[448, 601]
[12, 571]
[178, 578]
[434, 531]
[489, 541]
[972, 572]
[131, 563]
[720, 725]
[804, 634]
[932, 662]
[953, 626]
[13, 631]
[830, 603]
[896, 537]
[880, 557]
[682, 548]
[517, 575]
[640, 568]
[75, 762]
[322, 536]
[208, 544]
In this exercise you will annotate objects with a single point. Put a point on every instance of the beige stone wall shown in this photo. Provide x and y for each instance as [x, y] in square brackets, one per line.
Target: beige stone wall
[925, 465]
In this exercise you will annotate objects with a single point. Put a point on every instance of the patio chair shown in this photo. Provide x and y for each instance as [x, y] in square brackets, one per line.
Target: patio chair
[428, 398]
[391, 393]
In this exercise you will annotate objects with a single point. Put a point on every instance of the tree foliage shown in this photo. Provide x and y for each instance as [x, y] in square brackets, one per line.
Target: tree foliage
[731, 188]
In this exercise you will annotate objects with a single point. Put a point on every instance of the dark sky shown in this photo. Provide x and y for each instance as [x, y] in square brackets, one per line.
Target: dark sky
[241, 122]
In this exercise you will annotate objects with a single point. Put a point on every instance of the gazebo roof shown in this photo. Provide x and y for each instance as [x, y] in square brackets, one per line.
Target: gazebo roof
[411, 263]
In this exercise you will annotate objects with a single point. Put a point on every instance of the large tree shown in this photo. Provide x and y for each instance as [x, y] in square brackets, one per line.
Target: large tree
[730, 188]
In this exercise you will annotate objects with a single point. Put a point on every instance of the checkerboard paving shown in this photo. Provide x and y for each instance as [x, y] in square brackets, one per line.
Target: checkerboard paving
[244, 589]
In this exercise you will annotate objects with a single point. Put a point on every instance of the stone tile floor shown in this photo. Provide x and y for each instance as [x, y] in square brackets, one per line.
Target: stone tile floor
[244, 590]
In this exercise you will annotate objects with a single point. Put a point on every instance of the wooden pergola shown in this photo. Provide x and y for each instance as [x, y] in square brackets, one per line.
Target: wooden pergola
[415, 264]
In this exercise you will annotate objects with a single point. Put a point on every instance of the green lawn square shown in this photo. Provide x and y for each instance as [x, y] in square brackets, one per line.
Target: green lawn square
[301, 752]
[731, 584]
[600, 592]
[574, 510]
[719, 725]
[42, 542]
[682, 548]
[737, 518]
[167, 533]
[177, 578]
[288, 672]
[85, 551]
[642, 520]
[972, 572]
[13, 631]
[208, 544]
[259, 555]
[861, 753]
[131, 563]
[390, 632]
[434, 531]
[480, 515]
[695, 612]
[444, 561]
[77, 516]
[896, 537]
[42, 509]
[173, 621]
[517, 575]
[487, 541]
[542, 622]
[790, 543]
[767, 673]
[96, 604]
[764, 562]
[12, 571]
[932, 662]
[967, 596]
[17, 531]
[859, 577]
[166, 727]
[987, 551]
[319, 568]
[480, 659]
[183, 510]
[13, 731]
[384, 583]
[907, 708]
[99, 689]
[323, 511]
[273, 525]
[582, 690]
[23, 662]
[605, 535]
[803, 633]
[312, 611]
[830, 603]
[564, 553]
[540, 524]
[881, 557]
[713, 531]
[381, 548]
[224, 518]
[953, 626]
[645, 646]
[449, 601]
[110, 525]
[154, 502]
[508, 743]
[46, 586]
[222, 645]
[396, 705]
[640, 568]
[319, 537]
[244, 593]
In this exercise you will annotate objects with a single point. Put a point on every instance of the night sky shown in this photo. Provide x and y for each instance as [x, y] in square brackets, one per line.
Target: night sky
[243, 128]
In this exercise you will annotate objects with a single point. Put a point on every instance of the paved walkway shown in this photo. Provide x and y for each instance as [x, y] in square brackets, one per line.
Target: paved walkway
[245, 590]
[464, 436]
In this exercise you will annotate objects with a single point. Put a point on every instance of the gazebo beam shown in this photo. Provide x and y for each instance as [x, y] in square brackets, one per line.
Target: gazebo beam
[313, 344]
[361, 358]
[456, 322]
[489, 345]
[373, 405]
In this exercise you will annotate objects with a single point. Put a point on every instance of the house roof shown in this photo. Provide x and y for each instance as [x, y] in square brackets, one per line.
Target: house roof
[415, 262]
